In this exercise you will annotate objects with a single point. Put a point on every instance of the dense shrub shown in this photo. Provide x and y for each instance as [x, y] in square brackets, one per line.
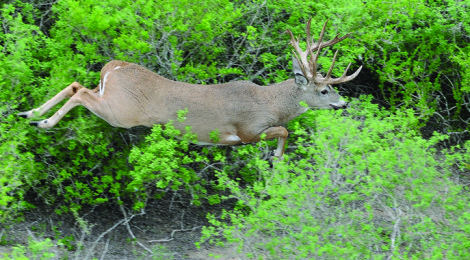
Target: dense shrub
[376, 185]
[365, 185]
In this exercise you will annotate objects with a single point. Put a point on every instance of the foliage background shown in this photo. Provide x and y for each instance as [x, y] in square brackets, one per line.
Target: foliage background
[416, 68]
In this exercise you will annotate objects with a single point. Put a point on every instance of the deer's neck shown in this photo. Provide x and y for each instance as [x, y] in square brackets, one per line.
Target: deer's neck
[286, 97]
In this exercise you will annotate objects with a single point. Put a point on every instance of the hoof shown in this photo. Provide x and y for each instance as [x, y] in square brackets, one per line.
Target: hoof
[274, 158]
[34, 123]
[23, 114]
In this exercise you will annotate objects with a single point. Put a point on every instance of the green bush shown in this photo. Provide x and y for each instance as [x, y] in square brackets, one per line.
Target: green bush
[19, 66]
[164, 162]
[421, 56]
[34, 250]
[366, 176]
[180, 40]
[365, 185]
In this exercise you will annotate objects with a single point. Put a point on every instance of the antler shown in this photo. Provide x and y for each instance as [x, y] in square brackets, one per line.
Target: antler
[309, 66]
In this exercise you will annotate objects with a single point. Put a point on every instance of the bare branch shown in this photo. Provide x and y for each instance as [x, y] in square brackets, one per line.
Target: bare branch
[173, 233]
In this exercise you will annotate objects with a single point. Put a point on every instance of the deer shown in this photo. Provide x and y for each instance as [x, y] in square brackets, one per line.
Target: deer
[242, 112]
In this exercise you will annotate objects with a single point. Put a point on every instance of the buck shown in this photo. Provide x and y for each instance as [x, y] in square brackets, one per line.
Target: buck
[129, 95]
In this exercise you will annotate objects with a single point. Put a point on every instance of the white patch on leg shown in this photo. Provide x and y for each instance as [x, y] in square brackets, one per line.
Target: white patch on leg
[204, 143]
[103, 84]
[101, 89]
[233, 138]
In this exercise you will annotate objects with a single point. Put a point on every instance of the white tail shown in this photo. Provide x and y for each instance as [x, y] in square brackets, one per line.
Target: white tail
[129, 95]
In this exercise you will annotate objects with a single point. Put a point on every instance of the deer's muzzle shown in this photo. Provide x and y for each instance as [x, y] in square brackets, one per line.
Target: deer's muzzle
[335, 107]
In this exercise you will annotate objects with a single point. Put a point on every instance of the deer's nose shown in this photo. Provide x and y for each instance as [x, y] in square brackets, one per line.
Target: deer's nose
[335, 107]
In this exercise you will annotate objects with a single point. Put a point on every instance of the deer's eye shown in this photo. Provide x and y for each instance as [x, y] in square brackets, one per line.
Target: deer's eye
[324, 92]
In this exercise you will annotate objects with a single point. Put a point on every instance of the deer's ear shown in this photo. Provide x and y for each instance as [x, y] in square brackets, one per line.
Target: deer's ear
[296, 67]
[300, 78]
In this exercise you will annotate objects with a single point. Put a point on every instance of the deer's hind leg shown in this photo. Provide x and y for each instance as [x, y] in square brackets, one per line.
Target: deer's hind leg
[85, 97]
[67, 92]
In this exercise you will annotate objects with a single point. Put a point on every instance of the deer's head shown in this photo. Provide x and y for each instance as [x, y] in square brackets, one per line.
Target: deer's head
[320, 93]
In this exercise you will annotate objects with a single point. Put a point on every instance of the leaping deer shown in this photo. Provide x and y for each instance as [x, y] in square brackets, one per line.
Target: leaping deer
[129, 95]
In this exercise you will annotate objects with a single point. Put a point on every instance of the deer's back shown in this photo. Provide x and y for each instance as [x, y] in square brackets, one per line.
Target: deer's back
[149, 98]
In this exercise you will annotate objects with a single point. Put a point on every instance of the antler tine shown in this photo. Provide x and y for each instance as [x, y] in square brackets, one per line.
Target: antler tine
[343, 77]
[323, 31]
[331, 42]
[328, 75]
[311, 65]
[328, 79]
[325, 44]
[302, 56]
[319, 45]
[308, 65]
[308, 34]
[302, 67]
[293, 42]
[313, 61]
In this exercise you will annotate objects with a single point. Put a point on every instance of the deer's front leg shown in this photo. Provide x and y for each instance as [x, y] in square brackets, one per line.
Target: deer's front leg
[281, 134]
[67, 92]
[84, 96]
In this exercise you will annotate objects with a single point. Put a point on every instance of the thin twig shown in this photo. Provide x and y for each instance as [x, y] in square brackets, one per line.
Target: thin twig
[105, 249]
[395, 233]
[31, 234]
[173, 233]
[101, 236]
[130, 231]
[80, 244]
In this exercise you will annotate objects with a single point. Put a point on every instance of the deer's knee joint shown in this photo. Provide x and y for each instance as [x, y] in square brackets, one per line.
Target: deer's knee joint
[284, 133]
[76, 85]
[74, 88]
[277, 131]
